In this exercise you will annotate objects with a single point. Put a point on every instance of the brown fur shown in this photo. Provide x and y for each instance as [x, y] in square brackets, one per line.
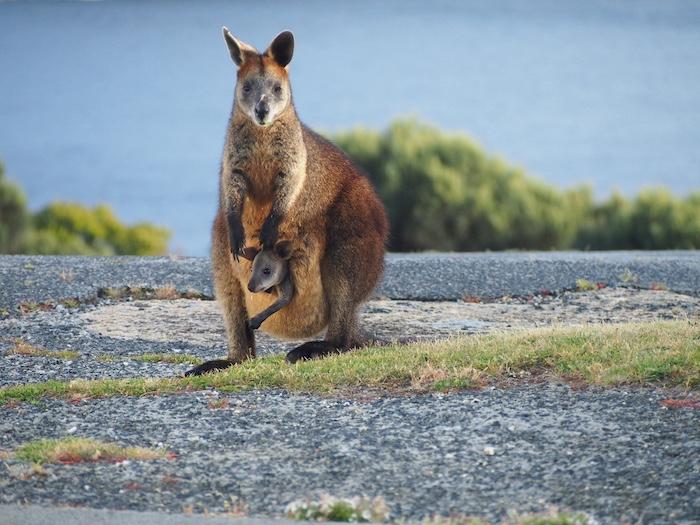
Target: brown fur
[330, 213]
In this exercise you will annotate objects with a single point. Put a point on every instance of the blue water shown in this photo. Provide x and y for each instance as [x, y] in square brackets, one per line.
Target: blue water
[127, 102]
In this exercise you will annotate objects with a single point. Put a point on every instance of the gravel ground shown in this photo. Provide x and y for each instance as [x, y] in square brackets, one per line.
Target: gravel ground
[617, 454]
[121, 330]
[425, 277]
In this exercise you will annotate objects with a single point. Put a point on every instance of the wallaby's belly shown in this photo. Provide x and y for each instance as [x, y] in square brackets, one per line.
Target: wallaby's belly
[305, 316]
[307, 313]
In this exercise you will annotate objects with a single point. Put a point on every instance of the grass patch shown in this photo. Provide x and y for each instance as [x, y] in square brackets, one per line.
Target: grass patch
[551, 517]
[78, 450]
[628, 277]
[29, 307]
[175, 359]
[584, 285]
[71, 302]
[664, 353]
[329, 508]
[23, 348]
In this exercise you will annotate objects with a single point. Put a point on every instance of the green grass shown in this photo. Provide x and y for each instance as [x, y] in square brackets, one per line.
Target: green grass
[77, 450]
[665, 353]
[175, 359]
[23, 348]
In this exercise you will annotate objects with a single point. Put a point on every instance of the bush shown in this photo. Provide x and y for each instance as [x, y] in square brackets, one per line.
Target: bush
[65, 228]
[14, 219]
[443, 192]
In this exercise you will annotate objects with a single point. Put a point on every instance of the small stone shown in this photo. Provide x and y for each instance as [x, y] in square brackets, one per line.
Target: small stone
[72, 430]
[489, 451]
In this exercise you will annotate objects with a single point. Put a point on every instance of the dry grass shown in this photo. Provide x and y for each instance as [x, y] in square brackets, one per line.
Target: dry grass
[584, 285]
[79, 450]
[550, 517]
[21, 347]
[218, 404]
[167, 292]
[167, 358]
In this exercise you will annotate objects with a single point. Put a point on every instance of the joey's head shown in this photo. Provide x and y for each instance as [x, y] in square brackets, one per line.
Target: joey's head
[262, 92]
[270, 267]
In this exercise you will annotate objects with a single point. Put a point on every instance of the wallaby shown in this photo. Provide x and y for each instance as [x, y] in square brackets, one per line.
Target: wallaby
[279, 179]
[270, 272]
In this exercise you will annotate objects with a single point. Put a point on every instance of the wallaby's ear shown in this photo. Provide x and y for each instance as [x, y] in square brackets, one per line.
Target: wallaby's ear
[282, 48]
[239, 50]
[283, 249]
[249, 252]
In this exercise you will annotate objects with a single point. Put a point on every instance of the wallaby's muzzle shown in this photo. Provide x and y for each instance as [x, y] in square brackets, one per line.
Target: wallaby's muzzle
[262, 110]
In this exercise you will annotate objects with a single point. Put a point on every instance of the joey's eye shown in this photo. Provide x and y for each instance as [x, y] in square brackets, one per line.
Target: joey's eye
[266, 271]
[278, 89]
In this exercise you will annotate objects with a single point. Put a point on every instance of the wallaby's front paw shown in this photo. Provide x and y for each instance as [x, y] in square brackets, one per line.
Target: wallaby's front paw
[237, 240]
[254, 323]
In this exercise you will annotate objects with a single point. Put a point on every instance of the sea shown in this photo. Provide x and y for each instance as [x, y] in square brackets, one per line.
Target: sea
[126, 102]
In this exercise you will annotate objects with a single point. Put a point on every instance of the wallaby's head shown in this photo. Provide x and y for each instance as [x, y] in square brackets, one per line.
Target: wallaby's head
[262, 88]
[270, 267]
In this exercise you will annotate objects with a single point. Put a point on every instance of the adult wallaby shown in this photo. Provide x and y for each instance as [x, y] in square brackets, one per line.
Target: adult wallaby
[279, 179]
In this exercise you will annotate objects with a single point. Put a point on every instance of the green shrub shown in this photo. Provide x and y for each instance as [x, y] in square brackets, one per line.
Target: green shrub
[443, 192]
[654, 220]
[14, 219]
[65, 228]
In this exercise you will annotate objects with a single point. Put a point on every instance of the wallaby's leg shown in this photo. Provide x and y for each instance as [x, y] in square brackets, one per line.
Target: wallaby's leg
[351, 269]
[342, 324]
[229, 294]
[286, 290]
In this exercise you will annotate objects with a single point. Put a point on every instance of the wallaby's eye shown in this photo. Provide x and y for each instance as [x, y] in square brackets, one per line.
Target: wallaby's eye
[246, 87]
[267, 271]
[278, 89]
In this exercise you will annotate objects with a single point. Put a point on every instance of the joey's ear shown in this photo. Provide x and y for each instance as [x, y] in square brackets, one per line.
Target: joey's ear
[239, 50]
[283, 249]
[249, 252]
[282, 48]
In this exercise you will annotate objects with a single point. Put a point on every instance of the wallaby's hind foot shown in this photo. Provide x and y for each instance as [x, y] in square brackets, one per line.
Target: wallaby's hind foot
[313, 350]
[209, 366]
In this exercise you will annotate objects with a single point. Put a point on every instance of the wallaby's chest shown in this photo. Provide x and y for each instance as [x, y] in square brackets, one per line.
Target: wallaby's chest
[262, 157]
[261, 164]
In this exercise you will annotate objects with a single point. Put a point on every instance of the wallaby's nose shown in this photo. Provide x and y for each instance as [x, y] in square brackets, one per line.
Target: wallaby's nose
[261, 110]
